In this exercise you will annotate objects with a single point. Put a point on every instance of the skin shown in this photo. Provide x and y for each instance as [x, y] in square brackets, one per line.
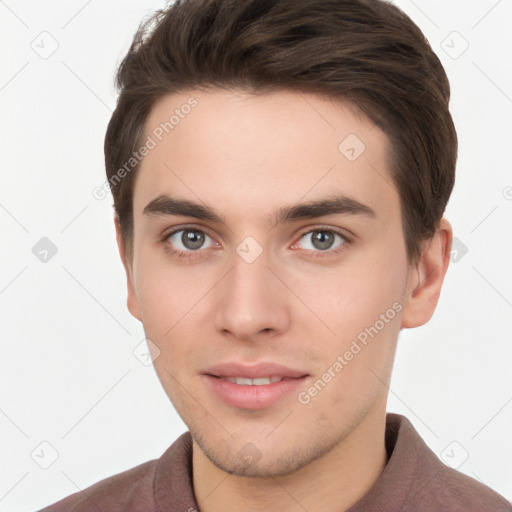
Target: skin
[246, 156]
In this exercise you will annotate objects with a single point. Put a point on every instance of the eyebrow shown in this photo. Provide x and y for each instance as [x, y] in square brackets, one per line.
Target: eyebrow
[340, 204]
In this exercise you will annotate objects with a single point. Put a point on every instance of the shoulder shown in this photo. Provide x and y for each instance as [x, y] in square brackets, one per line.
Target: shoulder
[130, 491]
[150, 486]
[431, 484]
[453, 491]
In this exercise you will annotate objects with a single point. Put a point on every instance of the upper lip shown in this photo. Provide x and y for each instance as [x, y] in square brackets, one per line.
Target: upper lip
[256, 371]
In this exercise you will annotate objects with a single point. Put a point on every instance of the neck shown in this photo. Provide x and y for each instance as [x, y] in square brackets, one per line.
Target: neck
[333, 482]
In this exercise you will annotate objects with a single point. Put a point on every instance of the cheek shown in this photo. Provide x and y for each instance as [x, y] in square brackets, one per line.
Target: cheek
[355, 296]
[165, 295]
[171, 304]
[361, 303]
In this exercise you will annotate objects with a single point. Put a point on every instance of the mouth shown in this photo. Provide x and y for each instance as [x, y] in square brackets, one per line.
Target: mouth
[253, 387]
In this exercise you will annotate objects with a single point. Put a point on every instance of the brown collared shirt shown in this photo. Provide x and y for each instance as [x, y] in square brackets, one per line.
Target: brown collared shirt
[414, 479]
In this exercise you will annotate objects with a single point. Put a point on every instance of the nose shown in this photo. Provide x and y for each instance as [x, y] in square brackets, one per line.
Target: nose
[251, 301]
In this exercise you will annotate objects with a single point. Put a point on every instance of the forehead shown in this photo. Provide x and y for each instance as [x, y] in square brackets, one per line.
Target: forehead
[246, 155]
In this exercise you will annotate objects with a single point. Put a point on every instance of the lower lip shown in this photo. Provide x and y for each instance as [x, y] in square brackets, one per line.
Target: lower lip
[253, 397]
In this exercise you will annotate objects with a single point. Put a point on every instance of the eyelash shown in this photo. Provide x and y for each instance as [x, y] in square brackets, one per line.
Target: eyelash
[316, 254]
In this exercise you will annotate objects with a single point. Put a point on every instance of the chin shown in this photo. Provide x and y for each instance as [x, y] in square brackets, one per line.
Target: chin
[250, 461]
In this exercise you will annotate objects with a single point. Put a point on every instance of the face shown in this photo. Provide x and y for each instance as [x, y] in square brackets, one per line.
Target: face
[269, 271]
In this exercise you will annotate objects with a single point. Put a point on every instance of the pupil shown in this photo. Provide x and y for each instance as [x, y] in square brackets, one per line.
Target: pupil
[322, 239]
[192, 239]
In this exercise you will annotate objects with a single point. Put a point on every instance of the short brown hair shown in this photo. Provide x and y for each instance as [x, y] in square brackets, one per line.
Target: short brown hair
[367, 52]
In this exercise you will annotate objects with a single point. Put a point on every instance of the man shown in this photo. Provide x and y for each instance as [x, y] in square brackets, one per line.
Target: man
[280, 170]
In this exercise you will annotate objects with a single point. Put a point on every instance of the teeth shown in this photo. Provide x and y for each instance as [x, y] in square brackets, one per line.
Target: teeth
[243, 381]
[259, 382]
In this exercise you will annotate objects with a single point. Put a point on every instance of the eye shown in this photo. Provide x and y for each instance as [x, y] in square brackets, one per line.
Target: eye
[323, 240]
[188, 240]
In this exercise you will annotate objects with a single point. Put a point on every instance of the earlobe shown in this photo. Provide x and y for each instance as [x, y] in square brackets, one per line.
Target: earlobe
[426, 279]
[132, 300]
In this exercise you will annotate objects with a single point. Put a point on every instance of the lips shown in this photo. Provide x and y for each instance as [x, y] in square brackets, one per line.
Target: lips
[252, 387]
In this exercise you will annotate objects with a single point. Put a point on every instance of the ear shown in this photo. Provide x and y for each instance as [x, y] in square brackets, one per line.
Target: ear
[133, 302]
[426, 278]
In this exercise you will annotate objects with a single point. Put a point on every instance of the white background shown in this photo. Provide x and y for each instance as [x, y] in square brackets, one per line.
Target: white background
[68, 373]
